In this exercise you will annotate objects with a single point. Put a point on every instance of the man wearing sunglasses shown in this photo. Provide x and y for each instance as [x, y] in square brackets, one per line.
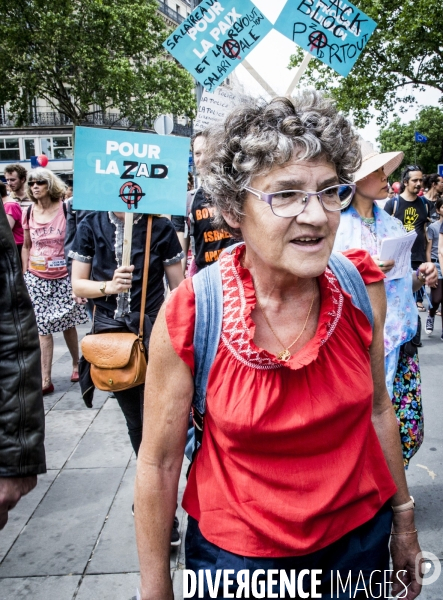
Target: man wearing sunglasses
[413, 211]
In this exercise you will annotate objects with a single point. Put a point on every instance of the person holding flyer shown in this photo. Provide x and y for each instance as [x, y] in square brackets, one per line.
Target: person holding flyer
[365, 225]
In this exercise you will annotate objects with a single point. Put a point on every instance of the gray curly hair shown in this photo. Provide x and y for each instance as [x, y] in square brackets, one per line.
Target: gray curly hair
[260, 135]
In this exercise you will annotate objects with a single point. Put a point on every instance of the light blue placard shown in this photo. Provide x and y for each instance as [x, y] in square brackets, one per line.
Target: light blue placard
[216, 37]
[334, 31]
[130, 171]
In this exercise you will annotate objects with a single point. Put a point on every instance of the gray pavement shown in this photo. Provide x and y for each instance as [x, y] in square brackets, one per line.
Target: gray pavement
[73, 536]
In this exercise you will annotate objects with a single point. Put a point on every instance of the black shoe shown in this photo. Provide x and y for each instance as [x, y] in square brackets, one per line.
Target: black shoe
[175, 536]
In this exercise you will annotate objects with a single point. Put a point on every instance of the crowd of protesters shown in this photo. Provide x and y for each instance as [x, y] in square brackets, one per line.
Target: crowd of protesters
[291, 375]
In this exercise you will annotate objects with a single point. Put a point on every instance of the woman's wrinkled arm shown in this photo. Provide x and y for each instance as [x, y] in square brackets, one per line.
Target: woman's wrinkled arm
[168, 395]
[404, 548]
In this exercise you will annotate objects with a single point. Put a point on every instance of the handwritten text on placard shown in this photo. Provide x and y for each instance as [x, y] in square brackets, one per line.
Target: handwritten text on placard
[215, 106]
[334, 31]
[216, 37]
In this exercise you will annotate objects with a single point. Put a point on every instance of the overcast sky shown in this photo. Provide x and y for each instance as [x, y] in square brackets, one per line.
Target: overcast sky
[271, 58]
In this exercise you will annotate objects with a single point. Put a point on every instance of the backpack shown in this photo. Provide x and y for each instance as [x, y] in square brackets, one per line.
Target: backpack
[208, 292]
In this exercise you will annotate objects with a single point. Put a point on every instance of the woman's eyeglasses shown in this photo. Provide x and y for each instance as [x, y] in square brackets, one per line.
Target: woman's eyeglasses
[37, 181]
[290, 203]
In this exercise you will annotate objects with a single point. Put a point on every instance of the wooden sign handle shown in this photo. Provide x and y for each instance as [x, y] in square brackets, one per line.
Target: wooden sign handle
[299, 73]
[127, 239]
[258, 78]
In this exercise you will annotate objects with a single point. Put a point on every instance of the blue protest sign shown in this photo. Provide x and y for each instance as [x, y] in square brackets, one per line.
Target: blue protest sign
[216, 37]
[334, 31]
[130, 171]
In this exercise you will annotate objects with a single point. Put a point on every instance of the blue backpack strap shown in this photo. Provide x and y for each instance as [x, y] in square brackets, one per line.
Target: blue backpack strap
[208, 325]
[351, 282]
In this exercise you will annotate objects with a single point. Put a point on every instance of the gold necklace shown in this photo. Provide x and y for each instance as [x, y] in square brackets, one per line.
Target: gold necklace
[285, 355]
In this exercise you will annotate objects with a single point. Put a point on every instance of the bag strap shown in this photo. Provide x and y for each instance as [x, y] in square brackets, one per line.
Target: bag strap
[351, 282]
[145, 275]
[208, 325]
[394, 210]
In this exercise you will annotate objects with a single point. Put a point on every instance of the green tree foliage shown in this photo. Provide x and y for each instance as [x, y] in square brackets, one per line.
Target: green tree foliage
[406, 48]
[400, 136]
[78, 53]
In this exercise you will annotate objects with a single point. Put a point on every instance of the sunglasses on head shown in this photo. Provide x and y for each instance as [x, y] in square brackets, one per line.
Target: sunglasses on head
[412, 168]
[37, 181]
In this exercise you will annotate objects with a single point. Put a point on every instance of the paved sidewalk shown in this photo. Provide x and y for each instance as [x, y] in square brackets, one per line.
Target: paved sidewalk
[73, 536]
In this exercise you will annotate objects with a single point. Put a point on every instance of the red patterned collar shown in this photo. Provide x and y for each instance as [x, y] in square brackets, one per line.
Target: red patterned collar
[238, 328]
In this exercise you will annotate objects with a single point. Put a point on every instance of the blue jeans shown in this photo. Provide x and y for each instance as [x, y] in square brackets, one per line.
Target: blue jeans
[360, 552]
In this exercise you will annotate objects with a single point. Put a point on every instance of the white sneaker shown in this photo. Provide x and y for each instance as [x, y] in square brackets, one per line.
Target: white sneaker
[430, 325]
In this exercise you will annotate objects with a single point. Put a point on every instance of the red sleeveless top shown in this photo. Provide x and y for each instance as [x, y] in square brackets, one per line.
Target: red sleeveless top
[290, 461]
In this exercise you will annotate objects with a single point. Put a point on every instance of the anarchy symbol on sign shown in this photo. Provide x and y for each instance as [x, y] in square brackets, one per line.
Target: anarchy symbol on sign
[231, 49]
[318, 40]
[131, 194]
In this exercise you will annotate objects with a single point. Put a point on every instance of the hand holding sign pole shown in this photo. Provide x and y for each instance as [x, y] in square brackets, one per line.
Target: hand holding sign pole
[127, 239]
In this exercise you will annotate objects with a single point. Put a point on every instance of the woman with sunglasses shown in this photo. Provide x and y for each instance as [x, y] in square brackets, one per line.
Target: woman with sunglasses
[300, 462]
[365, 225]
[45, 271]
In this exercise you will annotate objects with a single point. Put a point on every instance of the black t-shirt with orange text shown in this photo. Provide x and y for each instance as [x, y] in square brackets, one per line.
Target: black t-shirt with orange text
[207, 241]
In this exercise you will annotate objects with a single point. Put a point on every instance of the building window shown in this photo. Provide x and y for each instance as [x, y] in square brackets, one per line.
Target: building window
[57, 147]
[62, 147]
[46, 144]
[177, 8]
[29, 144]
[9, 149]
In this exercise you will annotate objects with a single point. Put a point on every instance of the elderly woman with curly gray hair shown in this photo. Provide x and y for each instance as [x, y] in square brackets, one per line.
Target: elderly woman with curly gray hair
[298, 474]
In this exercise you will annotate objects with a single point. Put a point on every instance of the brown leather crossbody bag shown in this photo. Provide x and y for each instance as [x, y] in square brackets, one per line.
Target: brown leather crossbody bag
[118, 360]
